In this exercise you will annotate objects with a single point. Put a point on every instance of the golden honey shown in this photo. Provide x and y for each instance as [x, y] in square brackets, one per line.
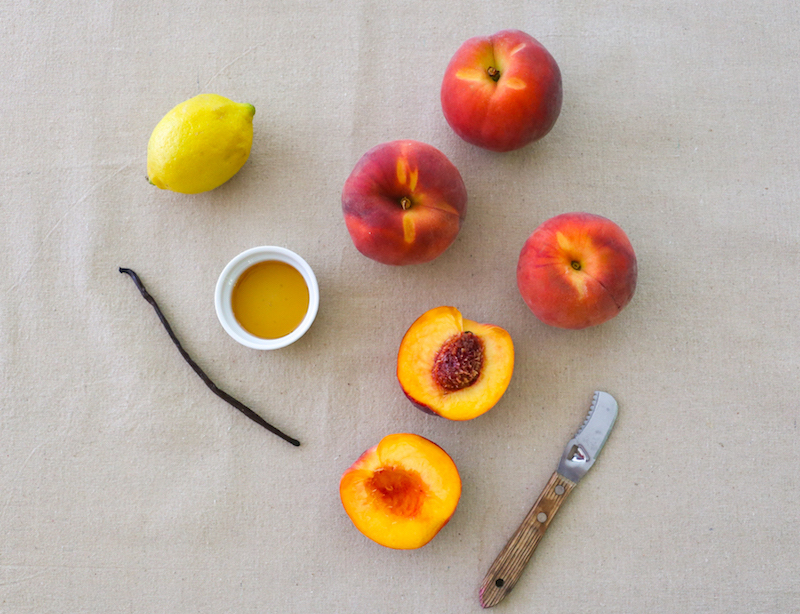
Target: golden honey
[270, 299]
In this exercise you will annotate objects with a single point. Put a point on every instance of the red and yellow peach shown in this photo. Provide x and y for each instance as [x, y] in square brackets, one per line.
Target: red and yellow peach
[502, 92]
[404, 203]
[577, 270]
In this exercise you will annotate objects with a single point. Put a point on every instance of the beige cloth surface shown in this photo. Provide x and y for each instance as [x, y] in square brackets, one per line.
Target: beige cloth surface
[127, 486]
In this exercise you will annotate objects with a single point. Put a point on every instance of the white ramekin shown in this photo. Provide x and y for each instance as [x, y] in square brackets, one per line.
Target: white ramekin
[231, 273]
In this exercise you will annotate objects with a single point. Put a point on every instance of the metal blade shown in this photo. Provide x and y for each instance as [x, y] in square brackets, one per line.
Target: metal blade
[582, 450]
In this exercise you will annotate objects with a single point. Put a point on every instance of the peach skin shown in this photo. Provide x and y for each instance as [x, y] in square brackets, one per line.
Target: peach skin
[404, 203]
[502, 92]
[577, 270]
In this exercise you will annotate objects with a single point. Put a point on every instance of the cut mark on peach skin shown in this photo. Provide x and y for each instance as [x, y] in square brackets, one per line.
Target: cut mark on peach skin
[454, 392]
[577, 270]
[406, 176]
[515, 83]
[578, 282]
[517, 49]
[570, 245]
[401, 171]
[471, 74]
[402, 491]
[423, 200]
[409, 228]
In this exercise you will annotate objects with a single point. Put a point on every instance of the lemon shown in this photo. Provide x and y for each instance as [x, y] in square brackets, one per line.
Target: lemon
[200, 144]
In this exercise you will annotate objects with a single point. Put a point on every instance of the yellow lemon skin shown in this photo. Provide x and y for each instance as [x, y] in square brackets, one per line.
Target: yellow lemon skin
[200, 144]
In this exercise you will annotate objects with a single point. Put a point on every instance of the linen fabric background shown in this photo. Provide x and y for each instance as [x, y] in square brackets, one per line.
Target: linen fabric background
[127, 486]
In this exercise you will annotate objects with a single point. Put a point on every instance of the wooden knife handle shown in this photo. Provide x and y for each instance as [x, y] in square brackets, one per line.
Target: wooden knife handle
[507, 567]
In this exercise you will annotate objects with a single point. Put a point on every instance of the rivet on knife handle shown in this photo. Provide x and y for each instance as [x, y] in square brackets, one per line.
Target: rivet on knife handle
[578, 457]
[507, 567]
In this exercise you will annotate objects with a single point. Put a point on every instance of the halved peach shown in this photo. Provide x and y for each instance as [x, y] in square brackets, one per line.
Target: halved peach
[402, 491]
[452, 367]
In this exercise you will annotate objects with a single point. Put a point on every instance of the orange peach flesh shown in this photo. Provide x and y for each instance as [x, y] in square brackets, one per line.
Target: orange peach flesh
[417, 365]
[401, 492]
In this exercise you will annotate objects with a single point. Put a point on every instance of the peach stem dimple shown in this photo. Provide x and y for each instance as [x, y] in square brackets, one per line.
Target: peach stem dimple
[405, 203]
[493, 73]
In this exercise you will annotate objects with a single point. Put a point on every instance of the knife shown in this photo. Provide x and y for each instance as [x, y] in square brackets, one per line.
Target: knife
[579, 456]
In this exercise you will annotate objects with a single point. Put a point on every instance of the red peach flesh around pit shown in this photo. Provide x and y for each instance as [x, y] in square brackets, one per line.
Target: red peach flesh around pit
[401, 492]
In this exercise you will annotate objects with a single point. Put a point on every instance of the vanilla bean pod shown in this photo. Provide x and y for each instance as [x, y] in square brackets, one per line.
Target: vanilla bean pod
[207, 380]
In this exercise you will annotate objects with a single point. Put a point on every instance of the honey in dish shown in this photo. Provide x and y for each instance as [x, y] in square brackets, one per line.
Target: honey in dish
[270, 299]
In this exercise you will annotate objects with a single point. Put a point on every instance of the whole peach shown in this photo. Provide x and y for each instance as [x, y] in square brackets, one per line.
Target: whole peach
[404, 203]
[502, 92]
[577, 270]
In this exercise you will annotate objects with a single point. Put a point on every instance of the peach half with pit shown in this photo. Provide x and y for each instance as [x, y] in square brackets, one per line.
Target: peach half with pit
[404, 203]
[402, 491]
[453, 367]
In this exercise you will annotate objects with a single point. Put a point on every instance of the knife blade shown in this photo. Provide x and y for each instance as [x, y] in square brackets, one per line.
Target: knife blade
[579, 456]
